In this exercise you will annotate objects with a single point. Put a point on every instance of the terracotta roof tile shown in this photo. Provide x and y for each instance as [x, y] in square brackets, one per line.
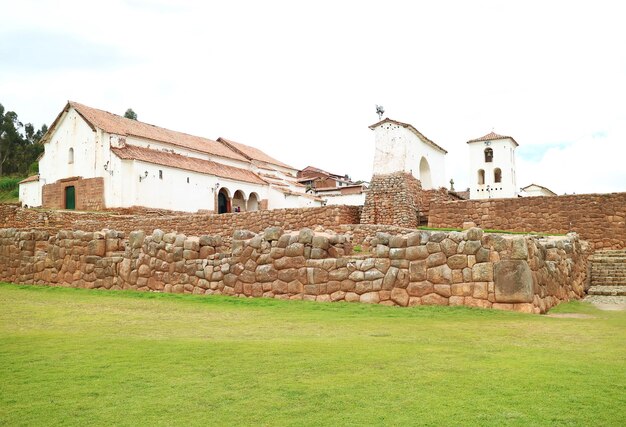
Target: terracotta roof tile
[112, 123]
[492, 136]
[31, 178]
[132, 152]
[412, 129]
[251, 153]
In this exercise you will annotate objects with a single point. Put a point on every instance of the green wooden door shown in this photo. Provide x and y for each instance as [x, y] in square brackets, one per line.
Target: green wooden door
[70, 197]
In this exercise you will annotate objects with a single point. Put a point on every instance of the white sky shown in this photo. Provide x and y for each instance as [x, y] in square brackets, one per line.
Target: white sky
[300, 79]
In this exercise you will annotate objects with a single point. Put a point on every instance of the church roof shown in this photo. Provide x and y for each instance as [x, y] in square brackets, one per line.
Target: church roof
[251, 153]
[148, 155]
[412, 129]
[491, 136]
[118, 125]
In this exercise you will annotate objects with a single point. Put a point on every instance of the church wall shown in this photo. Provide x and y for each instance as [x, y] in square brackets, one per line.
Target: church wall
[397, 149]
[72, 132]
[599, 219]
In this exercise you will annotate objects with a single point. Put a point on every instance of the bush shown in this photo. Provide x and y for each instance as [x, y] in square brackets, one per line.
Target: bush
[8, 183]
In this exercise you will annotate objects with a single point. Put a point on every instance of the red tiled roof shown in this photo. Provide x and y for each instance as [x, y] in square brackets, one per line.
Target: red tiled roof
[132, 152]
[118, 125]
[493, 136]
[251, 153]
[412, 129]
[31, 178]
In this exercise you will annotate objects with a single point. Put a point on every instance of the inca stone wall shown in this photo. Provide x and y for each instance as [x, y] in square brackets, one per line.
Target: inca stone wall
[599, 219]
[329, 217]
[398, 199]
[522, 273]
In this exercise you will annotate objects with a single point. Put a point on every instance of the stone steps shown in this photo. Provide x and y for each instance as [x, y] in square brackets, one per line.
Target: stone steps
[607, 290]
[608, 273]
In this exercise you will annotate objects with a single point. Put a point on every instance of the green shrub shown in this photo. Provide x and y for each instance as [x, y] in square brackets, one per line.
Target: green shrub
[8, 183]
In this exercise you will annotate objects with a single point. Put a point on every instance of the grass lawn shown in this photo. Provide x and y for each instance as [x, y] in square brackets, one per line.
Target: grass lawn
[79, 357]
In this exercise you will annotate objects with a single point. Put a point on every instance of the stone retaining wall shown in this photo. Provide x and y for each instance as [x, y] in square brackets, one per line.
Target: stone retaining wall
[522, 273]
[598, 218]
[329, 217]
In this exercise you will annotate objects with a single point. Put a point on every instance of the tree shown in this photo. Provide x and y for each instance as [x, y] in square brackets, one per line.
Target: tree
[130, 114]
[10, 137]
[18, 151]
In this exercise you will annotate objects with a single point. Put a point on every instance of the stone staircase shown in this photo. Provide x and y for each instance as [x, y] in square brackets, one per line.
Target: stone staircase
[608, 273]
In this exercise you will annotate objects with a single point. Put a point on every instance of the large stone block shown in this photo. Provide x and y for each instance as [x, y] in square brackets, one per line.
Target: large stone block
[519, 248]
[513, 281]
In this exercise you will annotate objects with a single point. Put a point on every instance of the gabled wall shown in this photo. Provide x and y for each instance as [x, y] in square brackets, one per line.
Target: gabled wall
[398, 149]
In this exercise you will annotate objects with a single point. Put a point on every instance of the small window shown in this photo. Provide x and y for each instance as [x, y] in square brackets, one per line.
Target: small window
[160, 174]
[488, 155]
[187, 180]
[481, 177]
[70, 156]
[497, 175]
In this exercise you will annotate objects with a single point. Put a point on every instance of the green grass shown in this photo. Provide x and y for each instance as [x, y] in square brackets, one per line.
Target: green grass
[79, 357]
[488, 230]
[9, 189]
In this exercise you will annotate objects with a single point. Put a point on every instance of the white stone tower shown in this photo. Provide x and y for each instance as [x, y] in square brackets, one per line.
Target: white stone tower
[492, 167]
[402, 148]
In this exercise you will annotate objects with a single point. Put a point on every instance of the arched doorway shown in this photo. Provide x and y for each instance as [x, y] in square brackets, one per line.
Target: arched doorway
[425, 174]
[223, 201]
[239, 201]
[253, 202]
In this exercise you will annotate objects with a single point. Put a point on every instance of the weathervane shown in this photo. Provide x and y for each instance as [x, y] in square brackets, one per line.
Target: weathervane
[380, 111]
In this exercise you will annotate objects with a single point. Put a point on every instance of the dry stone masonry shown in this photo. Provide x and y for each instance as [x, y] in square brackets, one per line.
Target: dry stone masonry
[522, 273]
[599, 219]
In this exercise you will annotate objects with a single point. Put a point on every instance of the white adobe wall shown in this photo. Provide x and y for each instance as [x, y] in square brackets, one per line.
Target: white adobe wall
[279, 200]
[172, 191]
[346, 199]
[399, 149]
[503, 158]
[71, 132]
[30, 194]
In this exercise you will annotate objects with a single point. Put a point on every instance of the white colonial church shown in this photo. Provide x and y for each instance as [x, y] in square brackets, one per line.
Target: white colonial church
[94, 160]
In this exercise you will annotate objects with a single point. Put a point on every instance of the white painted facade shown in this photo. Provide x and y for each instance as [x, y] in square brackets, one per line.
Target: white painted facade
[345, 199]
[399, 147]
[76, 148]
[492, 176]
[534, 190]
[30, 194]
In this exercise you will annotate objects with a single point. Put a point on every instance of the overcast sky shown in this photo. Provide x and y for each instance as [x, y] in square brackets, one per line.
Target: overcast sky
[300, 79]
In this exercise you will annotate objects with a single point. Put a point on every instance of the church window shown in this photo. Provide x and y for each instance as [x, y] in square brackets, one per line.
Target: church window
[70, 156]
[481, 177]
[160, 174]
[497, 175]
[488, 155]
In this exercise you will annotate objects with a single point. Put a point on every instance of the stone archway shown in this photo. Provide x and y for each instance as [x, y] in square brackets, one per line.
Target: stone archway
[425, 177]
